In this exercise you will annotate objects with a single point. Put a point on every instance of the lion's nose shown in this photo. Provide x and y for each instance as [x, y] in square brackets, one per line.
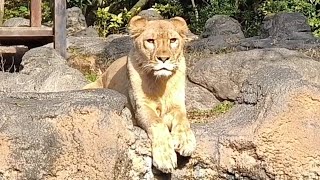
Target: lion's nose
[163, 58]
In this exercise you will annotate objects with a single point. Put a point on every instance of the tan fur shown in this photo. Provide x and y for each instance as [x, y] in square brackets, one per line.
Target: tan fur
[156, 96]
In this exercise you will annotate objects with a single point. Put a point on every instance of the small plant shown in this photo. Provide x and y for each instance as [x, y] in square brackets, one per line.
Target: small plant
[91, 77]
[109, 23]
[202, 116]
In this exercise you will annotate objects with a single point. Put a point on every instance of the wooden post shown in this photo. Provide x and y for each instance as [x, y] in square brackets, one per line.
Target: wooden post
[60, 27]
[35, 13]
[1, 11]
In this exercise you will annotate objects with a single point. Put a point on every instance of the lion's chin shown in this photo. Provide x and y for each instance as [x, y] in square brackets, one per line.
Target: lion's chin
[162, 73]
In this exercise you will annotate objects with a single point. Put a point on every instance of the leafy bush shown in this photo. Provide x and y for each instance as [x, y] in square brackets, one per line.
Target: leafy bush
[307, 7]
[109, 23]
[21, 8]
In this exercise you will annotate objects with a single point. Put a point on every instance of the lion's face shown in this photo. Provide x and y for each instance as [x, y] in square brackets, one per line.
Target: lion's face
[160, 42]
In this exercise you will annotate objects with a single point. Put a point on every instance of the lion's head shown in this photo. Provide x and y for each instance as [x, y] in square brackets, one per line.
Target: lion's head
[160, 43]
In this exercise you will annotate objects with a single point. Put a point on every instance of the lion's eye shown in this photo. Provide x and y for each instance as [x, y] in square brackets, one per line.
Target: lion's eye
[150, 41]
[173, 40]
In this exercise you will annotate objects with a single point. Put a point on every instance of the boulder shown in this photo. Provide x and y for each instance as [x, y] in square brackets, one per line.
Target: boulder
[285, 30]
[199, 98]
[271, 133]
[75, 20]
[150, 14]
[224, 74]
[88, 32]
[220, 32]
[286, 25]
[44, 70]
[222, 25]
[17, 22]
[67, 135]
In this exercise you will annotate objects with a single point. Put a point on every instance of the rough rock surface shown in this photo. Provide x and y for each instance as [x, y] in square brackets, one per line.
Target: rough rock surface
[271, 134]
[199, 98]
[17, 22]
[287, 30]
[220, 32]
[75, 20]
[150, 14]
[72, 135]
[221, 25]
[43, 71]
[224, 74]
[88, 32]
[287, 26]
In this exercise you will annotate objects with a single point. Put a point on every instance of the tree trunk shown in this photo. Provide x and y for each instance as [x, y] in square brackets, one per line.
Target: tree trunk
[137, 7]
[1, 11]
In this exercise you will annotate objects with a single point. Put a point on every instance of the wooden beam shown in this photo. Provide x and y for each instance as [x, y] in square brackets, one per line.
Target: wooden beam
[12, 49]
[60, 27]
[1, 11]
[35, 13]
[25, 31]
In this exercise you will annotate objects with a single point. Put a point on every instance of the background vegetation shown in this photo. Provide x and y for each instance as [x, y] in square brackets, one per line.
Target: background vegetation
[111, 16]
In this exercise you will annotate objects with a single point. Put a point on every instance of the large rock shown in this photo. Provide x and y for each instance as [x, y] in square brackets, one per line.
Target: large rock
[199, 98]
[72, 135]
[88, 32]
[222, 25]
[44, 70]
[285, 30]
[287, 26]
[17, 22]
[150, 14]
[75, 20]
[272, 133]
[220, 32]
[224, 74]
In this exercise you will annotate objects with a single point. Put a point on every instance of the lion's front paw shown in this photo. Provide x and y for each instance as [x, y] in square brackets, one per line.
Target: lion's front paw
[164, 156]
[184, 140]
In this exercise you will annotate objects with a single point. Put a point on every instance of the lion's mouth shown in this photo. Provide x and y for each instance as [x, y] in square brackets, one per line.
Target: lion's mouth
[166, 69]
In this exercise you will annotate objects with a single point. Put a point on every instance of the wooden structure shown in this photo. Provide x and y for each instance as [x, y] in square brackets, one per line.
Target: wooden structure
[36, 35]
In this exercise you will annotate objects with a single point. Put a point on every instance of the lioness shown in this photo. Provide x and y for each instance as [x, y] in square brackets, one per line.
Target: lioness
[153, 78]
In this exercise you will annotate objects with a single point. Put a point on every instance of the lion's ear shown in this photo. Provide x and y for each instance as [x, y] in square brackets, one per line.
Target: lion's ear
[137, 25]
[181, 25]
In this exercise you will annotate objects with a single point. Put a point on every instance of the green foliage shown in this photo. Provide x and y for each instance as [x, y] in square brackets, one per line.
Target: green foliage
[91, 77]
[306, 7]
[78, 3]
[224, 107]
[21, 8]
[168, 10]
[109, 23]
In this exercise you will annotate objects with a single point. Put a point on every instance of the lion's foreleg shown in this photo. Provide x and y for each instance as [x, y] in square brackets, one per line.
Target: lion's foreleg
[183, 137]
[164, 156]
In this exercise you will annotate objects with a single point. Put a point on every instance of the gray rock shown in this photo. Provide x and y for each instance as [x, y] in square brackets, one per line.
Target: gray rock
[67, 135]
[110, 48]
[224, 74]
[17, 22]
[222, 25]
[88, 32]
[284, 30]
[212, 44]
[271, 137]
[199, 98]
[118, 47]
[75, 20]
[220, 32]
[287, 26]
[44, 71]
[272, 133]
[150, 14]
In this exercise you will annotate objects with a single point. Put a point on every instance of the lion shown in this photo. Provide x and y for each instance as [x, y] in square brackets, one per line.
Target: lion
[153, 78]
